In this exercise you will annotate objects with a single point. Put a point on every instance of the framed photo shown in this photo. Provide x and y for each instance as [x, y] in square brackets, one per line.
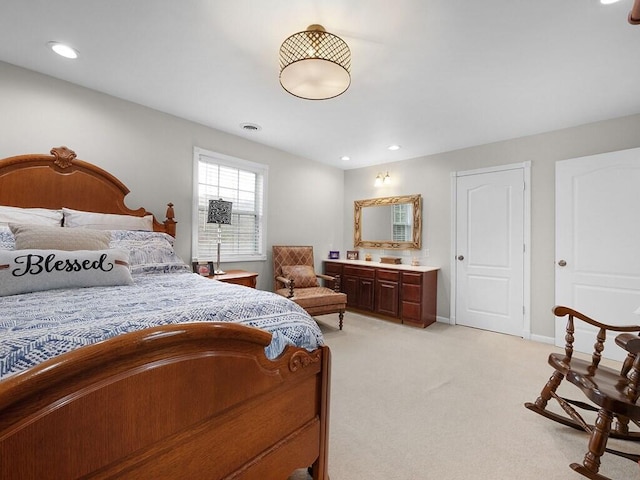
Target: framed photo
[333, 254]
[353, 254]
[203, 268]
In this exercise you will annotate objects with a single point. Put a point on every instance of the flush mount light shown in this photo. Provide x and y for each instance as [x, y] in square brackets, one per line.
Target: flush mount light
[63, 50]
[315, 64]
[393, 147]
[345, 158]
[634, 14]
[608, 2]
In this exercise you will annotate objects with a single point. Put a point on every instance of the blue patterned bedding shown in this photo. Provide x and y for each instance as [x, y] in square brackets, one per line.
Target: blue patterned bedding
[40, 325]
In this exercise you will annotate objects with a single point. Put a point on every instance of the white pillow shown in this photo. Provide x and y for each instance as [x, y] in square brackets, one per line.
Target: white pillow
[37, 216]
[24, 271]
[106, 221]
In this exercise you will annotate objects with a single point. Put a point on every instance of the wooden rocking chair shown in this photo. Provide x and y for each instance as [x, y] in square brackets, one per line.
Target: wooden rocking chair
[613, 394]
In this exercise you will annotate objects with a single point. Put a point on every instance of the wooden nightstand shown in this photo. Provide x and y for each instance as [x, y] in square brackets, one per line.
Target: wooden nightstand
[239, 277]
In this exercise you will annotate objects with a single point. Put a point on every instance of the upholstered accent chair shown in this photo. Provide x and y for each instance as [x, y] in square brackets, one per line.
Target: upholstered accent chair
[296, 279]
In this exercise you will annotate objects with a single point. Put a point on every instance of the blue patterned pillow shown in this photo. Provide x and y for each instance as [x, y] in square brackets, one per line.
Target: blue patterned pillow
[7, 240]
[148, 250]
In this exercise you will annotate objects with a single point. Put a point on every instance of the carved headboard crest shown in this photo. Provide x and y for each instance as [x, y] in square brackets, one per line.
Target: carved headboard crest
[64, 156]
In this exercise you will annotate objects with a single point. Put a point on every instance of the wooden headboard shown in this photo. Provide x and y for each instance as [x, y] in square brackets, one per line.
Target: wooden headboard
[60, 180]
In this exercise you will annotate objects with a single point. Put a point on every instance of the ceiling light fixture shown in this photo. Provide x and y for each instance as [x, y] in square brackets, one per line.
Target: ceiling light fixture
[315, 64]
[634, 14]
[63, 50]
[608, 2]
[393, 147]
[345, 158]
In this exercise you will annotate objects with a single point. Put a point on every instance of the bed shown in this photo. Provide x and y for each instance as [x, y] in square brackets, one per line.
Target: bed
[163, 375]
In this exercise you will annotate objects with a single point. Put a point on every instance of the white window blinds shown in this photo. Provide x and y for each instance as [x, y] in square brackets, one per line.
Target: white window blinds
[401, 223]
[238, 181]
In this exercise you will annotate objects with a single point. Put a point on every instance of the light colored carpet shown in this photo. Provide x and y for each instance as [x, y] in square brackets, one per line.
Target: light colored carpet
[445, 402]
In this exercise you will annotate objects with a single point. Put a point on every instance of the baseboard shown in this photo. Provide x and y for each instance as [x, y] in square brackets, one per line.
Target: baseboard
[542, 339]
[532, 337]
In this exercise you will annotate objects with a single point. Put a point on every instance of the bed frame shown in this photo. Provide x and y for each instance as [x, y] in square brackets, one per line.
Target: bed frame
[61, 180]
[194, 400]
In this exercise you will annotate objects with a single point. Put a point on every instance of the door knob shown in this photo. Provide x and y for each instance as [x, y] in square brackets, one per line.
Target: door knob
[562, 263]
[460, 257]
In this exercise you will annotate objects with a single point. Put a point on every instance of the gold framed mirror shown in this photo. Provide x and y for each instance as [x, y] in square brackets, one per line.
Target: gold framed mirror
[388, 222]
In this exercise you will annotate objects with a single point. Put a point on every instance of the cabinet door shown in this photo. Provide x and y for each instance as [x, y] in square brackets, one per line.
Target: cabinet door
[351, 286]
[387, 294]
[366, 294]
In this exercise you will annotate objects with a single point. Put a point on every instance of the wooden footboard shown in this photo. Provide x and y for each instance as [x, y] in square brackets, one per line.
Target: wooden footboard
[182, 401]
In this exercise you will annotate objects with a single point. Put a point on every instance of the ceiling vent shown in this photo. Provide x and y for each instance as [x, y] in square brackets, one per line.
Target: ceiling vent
[250, 127]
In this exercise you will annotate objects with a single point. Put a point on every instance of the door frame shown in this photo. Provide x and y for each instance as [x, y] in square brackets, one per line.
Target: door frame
[526, 297]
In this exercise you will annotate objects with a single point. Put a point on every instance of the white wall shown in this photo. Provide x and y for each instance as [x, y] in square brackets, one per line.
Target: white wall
[152, 154]
[431, 177]
[309, 203]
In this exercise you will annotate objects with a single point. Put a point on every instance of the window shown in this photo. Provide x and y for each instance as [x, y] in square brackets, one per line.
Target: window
[401, 223]
[238, 181]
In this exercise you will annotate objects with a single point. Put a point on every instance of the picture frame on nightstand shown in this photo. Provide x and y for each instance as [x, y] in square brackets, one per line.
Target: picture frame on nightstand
[203, 268]
[353, 255]
[334, 255]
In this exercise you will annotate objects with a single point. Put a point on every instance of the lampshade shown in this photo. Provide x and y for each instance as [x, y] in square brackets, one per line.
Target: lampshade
[315, 64]
[219, 212]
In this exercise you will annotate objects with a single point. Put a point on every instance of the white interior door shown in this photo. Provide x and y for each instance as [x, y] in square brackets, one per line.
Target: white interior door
[597, 242]
[490, 251]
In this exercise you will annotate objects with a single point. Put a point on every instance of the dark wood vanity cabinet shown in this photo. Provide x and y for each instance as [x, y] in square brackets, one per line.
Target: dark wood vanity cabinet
[358, 283]
[401, 294]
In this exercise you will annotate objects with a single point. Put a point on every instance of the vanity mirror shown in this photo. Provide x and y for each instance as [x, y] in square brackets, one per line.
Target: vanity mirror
[388, 222]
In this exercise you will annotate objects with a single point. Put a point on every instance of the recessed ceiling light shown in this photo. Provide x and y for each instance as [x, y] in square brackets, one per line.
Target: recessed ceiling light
[608, 2]
[250, 127]
[393, 147]
[345, 158]
[63, 50]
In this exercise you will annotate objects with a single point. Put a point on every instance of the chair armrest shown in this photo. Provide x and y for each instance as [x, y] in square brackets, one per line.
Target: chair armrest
[629, 341]
[325, 277]
[601, 336]
[561, 311]
[335, 279]
[288, 282]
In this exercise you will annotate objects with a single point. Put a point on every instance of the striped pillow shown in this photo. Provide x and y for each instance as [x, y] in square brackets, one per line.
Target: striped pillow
[53, 238]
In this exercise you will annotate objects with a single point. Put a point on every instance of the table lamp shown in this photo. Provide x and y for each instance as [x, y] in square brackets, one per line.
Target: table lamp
[220, 213]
